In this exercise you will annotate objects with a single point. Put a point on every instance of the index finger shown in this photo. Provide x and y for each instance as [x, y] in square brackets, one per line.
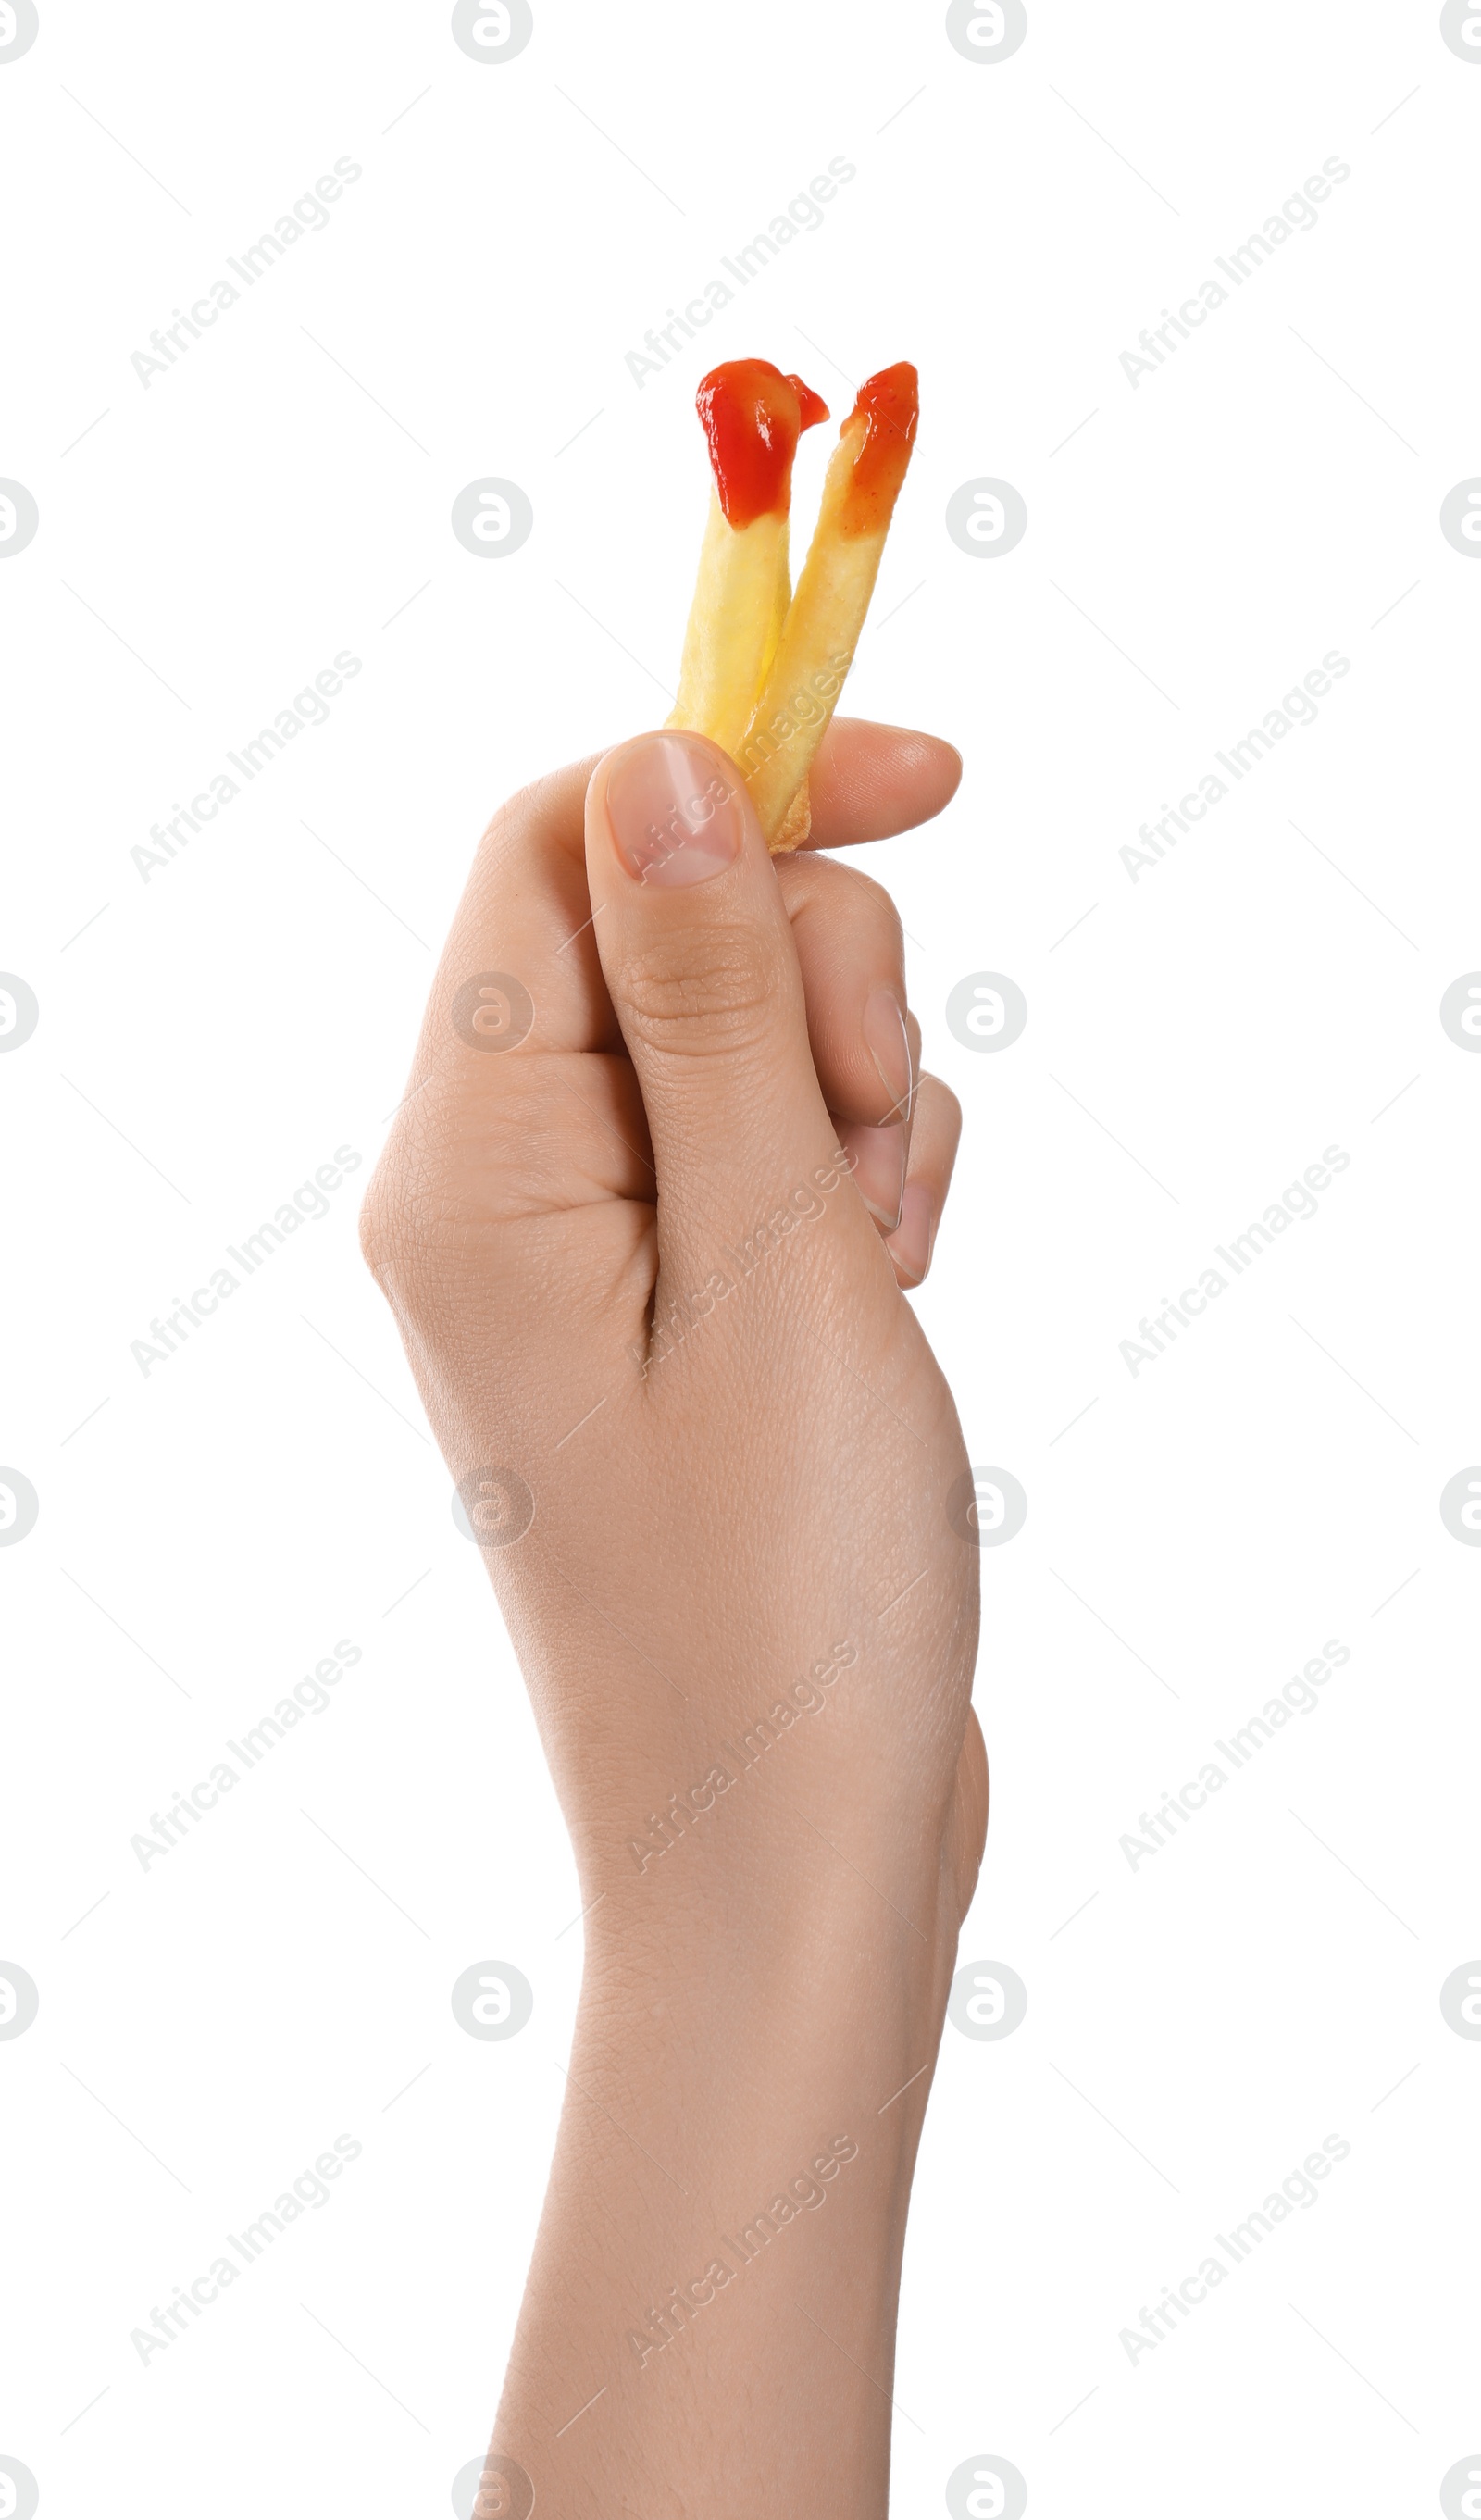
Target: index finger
[871, 781]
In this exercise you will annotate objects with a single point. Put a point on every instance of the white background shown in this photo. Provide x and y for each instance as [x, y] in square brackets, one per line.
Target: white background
[208, 1037]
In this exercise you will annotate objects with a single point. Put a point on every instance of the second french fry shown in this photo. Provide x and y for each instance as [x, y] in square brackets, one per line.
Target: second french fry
[827, 613]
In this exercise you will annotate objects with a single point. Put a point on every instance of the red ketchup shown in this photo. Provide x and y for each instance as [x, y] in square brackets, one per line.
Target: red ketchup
[753, 417]
[889, 405]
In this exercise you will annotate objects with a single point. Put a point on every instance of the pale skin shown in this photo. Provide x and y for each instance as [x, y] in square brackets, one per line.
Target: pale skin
[717, 1510]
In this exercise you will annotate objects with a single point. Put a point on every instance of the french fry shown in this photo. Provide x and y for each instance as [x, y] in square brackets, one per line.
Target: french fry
[753, 415]
[734, 621]
[825, 617]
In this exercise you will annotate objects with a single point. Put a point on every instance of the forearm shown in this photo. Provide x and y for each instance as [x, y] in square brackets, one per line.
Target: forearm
[709, 2320]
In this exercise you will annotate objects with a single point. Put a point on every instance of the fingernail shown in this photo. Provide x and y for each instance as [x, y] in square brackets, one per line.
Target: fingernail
[910, 1245]
[888, 1045]
[879, 1168]
[675, 814]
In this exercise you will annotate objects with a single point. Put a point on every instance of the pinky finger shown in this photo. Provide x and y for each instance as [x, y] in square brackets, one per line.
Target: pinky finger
[934, 1135]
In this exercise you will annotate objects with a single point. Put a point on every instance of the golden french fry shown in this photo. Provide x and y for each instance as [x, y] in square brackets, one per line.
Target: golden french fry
[827, 613]
[753, 418]
[740, 600]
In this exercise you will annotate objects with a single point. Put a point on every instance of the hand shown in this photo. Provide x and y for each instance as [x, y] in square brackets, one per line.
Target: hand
[645, 1218]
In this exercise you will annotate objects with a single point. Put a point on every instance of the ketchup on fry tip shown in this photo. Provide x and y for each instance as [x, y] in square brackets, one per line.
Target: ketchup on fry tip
[753, 416]
[889, 405]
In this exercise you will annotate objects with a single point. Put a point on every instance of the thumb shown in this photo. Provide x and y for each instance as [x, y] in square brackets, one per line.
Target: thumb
[697, 949]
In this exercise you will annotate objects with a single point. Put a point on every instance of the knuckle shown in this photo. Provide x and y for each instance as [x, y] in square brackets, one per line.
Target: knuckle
[461, 1175]
[948, 1110]
[868, 907]
[403, 1229]
[874, 902]
[839, 893]
[384, 1240]
[845, 922]
[702, 994]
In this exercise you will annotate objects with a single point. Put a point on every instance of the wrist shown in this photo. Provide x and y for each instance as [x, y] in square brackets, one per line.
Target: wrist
[795, 1937]
[743, 2104]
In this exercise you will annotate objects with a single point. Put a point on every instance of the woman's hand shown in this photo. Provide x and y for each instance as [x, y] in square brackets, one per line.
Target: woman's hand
[664, 1167]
